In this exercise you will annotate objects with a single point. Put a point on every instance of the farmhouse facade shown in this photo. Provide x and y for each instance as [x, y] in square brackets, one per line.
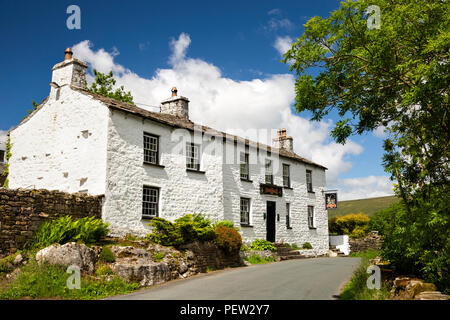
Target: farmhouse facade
[149, 164]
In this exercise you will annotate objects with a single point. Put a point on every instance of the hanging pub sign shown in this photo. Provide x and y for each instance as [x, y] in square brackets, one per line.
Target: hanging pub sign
[271, 190]
[331, 200]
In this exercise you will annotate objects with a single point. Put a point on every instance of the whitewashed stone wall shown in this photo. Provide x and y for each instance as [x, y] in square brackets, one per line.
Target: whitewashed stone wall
[62, 146]
[298, 197]
[215, 193]
[181, 192]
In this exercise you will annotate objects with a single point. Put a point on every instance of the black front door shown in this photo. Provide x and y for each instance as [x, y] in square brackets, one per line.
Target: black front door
[270, 222]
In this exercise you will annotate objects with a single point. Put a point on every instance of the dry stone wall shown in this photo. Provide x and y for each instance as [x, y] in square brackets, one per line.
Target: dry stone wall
[22, 211]
[372, 241]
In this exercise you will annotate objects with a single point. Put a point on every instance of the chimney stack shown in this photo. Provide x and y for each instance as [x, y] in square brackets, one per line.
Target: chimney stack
[176, 105]
[283, 141]
[69, 72]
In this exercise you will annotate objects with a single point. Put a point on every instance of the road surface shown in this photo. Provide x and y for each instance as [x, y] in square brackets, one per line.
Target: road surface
[303, 279]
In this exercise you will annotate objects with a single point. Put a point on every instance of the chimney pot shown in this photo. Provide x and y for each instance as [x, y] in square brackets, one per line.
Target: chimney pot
[174, 92]
[68, 54]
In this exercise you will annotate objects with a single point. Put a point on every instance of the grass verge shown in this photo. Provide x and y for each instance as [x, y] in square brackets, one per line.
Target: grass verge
[356, 288]
[45, 281]
[257, 259]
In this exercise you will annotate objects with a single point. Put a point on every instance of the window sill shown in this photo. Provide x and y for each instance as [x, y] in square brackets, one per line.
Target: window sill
[289, 228]
[148, 218]
[193, 170]
[246, 225]
[154, 165]
[246, 180]
[312, 192]
[289, 188]
[312, 228]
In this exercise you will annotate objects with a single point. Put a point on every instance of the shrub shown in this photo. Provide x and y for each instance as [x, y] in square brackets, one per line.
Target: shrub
[164, 233]
[106, 255]
[195, 228]
[418, 242]
[103, 270]
[260, 244]
[62, 230]
[294, 246]
[159, 256]
[307, 245]
[228, 238]
[355, 225]
[225, 223]
[244, 247]
[186, 229]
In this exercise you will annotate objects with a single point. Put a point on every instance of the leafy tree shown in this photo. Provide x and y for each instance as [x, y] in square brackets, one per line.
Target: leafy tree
[397, 77]
[104, 85]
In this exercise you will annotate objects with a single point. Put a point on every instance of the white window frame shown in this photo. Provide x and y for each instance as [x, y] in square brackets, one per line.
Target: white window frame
[268, 171]
[311, 217]
[288, 176]
[150, 153]
[193, 156]
[156, 203]
[309, 184]
[249, 204]
[288, 215]
[244, 163]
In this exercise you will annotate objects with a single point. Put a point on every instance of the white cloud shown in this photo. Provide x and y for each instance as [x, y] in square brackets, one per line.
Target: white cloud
[366, 187]
[275, 11]
[380, 132]
[283, 44]
[230, 105]
[276, 24]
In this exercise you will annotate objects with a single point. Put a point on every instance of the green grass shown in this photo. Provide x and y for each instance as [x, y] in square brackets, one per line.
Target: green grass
[367, 206]
[45, 281]
[257, 259]
[356, 288]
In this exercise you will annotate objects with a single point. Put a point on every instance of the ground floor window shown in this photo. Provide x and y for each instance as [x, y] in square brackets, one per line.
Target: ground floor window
[150, 202]
[311, 223]
[288, 215]
[245, 211]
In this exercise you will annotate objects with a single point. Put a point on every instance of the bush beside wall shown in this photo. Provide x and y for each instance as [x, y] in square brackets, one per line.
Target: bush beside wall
[23, 211]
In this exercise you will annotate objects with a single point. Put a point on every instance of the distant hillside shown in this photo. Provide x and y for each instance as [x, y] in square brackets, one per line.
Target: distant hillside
[367, 206]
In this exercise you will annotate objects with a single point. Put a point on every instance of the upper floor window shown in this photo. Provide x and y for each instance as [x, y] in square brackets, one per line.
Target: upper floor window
[244, 166]
[245, 211]
[269, 172]
[309, 185]
[288, 215]
[151, 148]
[286, 176]
[2, 156]
[150, 202]
[311, 222]
[192, 156]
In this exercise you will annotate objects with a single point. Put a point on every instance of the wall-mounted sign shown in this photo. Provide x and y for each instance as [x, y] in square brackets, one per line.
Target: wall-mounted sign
[271, 190]
[331, 200]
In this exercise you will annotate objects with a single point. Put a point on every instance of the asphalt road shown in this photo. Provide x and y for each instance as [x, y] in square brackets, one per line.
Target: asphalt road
[304, 279]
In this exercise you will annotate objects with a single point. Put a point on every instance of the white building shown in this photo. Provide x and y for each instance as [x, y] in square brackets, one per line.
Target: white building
[149, 164]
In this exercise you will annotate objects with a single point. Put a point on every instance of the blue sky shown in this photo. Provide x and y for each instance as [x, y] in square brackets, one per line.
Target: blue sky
[160, 42]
